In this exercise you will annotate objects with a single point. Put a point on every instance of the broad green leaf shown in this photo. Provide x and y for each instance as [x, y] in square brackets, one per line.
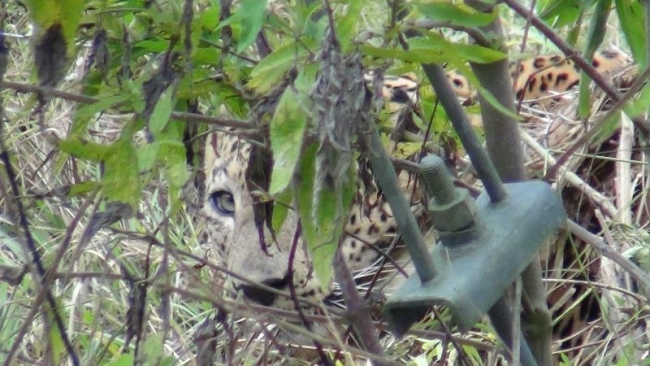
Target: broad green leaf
[151, 45]
[437, 50]
[147, 155]
[165, 20]
[347, 25]
[270, 71]
[287, 132]
[103, 103]
[457, 52]
[323, 214]
[84, 115]
[121, 180]
[561, 12]
[251, 14]
[281, 209]
[459, 14]
[81, 188]
[207, 18]
[206, 56]
[196, 86]
[304, 196]
[122, 360]
[632, 19]
[161, 112]
[597, 27]
[430, 56]
[84, 149]
[173, 153]
[330, 211]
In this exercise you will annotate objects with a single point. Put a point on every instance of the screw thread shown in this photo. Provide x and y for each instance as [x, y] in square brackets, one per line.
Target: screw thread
[437, 179]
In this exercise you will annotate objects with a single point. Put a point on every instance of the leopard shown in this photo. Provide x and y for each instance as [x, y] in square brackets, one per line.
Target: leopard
[543, 77]
[231, 227]
[262, 257]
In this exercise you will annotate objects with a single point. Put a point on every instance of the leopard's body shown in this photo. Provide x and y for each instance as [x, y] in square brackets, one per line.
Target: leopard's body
[261, 257]
[544, 76]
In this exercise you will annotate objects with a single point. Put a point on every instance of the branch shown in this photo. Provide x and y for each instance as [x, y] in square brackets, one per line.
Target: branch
[80, 98]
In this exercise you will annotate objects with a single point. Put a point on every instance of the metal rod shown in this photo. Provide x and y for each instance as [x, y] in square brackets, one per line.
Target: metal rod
[386, 177]
[501, 319]
[482, 163]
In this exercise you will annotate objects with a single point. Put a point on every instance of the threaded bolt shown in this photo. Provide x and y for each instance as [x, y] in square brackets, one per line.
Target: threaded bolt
[437, 180]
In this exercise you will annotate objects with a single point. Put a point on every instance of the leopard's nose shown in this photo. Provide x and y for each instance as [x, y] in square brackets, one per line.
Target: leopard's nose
[261, 295]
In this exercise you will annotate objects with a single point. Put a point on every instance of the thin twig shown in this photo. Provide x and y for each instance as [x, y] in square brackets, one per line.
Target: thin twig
[622, 184]
[79, 98]
[598, 243]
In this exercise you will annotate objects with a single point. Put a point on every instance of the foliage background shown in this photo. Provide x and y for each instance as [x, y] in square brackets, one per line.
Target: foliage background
[105, 104]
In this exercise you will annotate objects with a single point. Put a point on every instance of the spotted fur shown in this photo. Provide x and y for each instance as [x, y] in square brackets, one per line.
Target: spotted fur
[542, 76]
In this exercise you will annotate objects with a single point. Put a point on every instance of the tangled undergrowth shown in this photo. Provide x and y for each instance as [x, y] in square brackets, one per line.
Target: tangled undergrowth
[120, 283]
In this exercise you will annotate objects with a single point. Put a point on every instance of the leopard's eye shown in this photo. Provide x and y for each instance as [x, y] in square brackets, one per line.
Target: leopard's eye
[223, 202]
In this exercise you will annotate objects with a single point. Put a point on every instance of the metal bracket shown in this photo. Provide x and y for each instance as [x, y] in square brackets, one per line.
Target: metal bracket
[474, 267]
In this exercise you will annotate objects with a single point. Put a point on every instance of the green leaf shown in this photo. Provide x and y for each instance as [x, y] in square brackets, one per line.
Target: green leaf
[632, 19]
[425, 56]
[597, 28]
[330, 211]
[270, 71]
[347, 25]
[206, 56]
[281, 209]
[147, 155]
[561, 12]
[81, 188]
[322, 215]
[436, 50]
[455, 52]
[121, 180]
[161, 112]
[84, 149]
[122, 360]
[287, 131]
[104, 103]
[304, 196]
[251, 14]
[173, 153]
[151, 45]
[458, 14]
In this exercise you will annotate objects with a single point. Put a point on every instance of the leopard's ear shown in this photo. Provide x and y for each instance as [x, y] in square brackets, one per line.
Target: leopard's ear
[211, 146]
